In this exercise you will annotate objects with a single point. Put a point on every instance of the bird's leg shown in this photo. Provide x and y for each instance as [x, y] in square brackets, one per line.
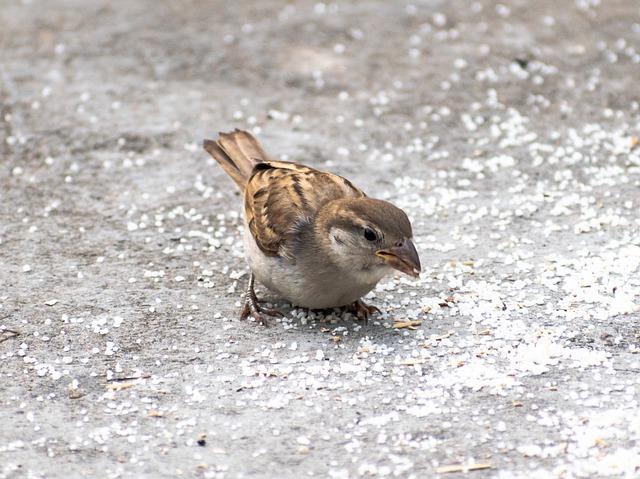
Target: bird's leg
[362, 310]
[251, 306]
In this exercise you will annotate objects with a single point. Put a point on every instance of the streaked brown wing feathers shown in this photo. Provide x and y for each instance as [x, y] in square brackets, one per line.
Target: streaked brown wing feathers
[279, 195]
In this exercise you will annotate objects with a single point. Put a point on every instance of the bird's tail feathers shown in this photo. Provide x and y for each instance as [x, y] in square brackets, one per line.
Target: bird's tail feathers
[238, 152]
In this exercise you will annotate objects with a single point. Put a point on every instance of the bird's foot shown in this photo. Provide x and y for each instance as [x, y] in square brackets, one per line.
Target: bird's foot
[253, 309]
[258, 312]
[362, 310]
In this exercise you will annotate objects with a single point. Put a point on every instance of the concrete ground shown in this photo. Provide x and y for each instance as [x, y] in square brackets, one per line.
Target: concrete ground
[507, 131]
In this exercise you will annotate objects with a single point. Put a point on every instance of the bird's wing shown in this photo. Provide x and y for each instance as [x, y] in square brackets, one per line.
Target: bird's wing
[280, 197]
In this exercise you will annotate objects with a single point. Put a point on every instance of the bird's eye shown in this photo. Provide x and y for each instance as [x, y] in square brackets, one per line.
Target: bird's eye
[370, 235]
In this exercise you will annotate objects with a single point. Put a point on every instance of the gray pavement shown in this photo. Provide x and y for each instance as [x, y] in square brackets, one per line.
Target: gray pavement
[508, 132]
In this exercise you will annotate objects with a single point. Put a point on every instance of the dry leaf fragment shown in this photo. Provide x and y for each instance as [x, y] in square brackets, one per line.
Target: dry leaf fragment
[426, 344]
[442, 336]
[412, 361]
[601, 442]
[462, 468]
[129, 378]
[447, 302]
[11, 334]
[634, 142]
[119, 386]
[155, 413]
[75, 393]
[407, 324]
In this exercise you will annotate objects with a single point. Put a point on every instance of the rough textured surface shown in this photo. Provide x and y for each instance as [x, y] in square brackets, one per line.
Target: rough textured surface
[507, 131]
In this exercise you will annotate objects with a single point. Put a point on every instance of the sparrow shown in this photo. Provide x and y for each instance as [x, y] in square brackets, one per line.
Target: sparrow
[310, 236]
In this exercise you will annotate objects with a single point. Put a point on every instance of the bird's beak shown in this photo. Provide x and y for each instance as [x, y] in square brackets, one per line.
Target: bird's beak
[403, 258]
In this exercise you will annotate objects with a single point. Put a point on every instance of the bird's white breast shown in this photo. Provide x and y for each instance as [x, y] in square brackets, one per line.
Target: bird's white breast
[314, 285]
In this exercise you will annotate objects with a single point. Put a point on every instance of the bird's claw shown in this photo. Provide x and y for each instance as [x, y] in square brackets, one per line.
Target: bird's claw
[253, 309]
[362, 310]
[258, 313]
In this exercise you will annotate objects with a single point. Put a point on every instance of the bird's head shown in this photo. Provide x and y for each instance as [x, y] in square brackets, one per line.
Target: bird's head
[364, 234]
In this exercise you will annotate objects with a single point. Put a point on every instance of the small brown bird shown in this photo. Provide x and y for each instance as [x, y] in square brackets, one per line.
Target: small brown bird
[311, 236]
